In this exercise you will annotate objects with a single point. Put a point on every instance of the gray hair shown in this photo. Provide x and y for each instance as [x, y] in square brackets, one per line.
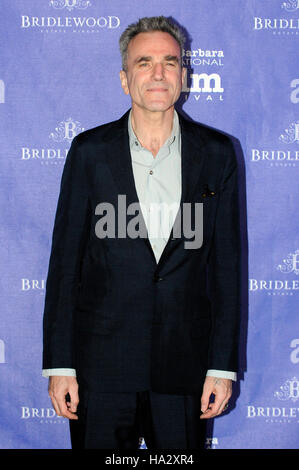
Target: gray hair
[146, 25]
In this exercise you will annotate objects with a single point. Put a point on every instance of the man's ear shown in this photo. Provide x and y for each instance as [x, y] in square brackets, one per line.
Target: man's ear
[124, 81]
[184, 72]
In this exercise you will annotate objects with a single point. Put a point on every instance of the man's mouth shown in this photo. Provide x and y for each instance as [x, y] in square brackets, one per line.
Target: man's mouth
[158, 89]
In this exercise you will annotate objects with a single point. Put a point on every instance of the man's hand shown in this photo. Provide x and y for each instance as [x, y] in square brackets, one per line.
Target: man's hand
[221, 389]
[59, 387]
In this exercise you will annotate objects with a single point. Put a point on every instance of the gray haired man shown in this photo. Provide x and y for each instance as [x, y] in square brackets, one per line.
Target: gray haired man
[140, 334]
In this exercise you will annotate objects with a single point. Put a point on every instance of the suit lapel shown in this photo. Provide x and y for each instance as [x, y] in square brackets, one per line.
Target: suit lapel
[118, 158]
[120, 164]
[193, 157]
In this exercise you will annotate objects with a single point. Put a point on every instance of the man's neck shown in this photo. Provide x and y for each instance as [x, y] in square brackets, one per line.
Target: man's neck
[152, 128]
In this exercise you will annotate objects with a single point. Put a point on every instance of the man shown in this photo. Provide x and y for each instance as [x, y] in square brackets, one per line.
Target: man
[141, 332]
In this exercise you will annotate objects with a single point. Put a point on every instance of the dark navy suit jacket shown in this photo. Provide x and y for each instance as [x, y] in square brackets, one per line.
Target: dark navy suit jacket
[122, 320]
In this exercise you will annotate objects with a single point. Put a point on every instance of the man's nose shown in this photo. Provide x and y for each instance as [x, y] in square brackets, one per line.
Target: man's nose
[158, 72]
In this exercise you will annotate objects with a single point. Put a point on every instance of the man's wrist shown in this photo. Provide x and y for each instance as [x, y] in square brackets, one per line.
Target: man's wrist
[222, 374]
[59, 371]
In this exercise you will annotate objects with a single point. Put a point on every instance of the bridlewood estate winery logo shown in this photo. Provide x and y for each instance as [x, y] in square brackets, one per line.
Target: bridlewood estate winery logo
[33, 284]
[286, 26]
[281, 286]
[42, 415]
[66, 130]
[290, 5]
[290, 264]
[288, 393]
[289, 390]
[73, 24]
[283, 156]
[70, 4]
[63, 133]
[291, 134]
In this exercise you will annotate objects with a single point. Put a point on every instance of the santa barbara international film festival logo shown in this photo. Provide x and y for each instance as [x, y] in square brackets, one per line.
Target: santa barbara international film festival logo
[62, 21]
[64, 133]
[203, 86]
[280, 286]
[287, 26]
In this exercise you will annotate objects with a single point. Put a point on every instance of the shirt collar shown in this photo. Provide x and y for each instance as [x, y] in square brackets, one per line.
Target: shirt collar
[136, 145]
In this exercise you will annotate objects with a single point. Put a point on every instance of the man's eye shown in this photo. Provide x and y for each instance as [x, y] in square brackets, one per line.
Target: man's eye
[172, 64]
[143, 64]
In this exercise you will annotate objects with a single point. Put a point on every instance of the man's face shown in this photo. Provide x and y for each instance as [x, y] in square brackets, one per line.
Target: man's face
[154, 75]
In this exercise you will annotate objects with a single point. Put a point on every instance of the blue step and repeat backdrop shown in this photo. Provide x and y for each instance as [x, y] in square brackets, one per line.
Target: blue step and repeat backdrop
[59, 75]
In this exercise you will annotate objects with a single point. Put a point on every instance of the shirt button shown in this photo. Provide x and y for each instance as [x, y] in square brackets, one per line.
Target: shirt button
[151, 172]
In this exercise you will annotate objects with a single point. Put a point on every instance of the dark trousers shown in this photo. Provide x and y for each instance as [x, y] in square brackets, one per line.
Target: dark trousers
[119, 420]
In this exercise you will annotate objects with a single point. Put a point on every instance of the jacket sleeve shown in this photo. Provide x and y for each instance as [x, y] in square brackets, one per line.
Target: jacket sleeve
[70, 233]
[224, 271]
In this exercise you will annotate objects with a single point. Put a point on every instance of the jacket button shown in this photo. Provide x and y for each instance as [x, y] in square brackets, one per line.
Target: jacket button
[157, 278]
